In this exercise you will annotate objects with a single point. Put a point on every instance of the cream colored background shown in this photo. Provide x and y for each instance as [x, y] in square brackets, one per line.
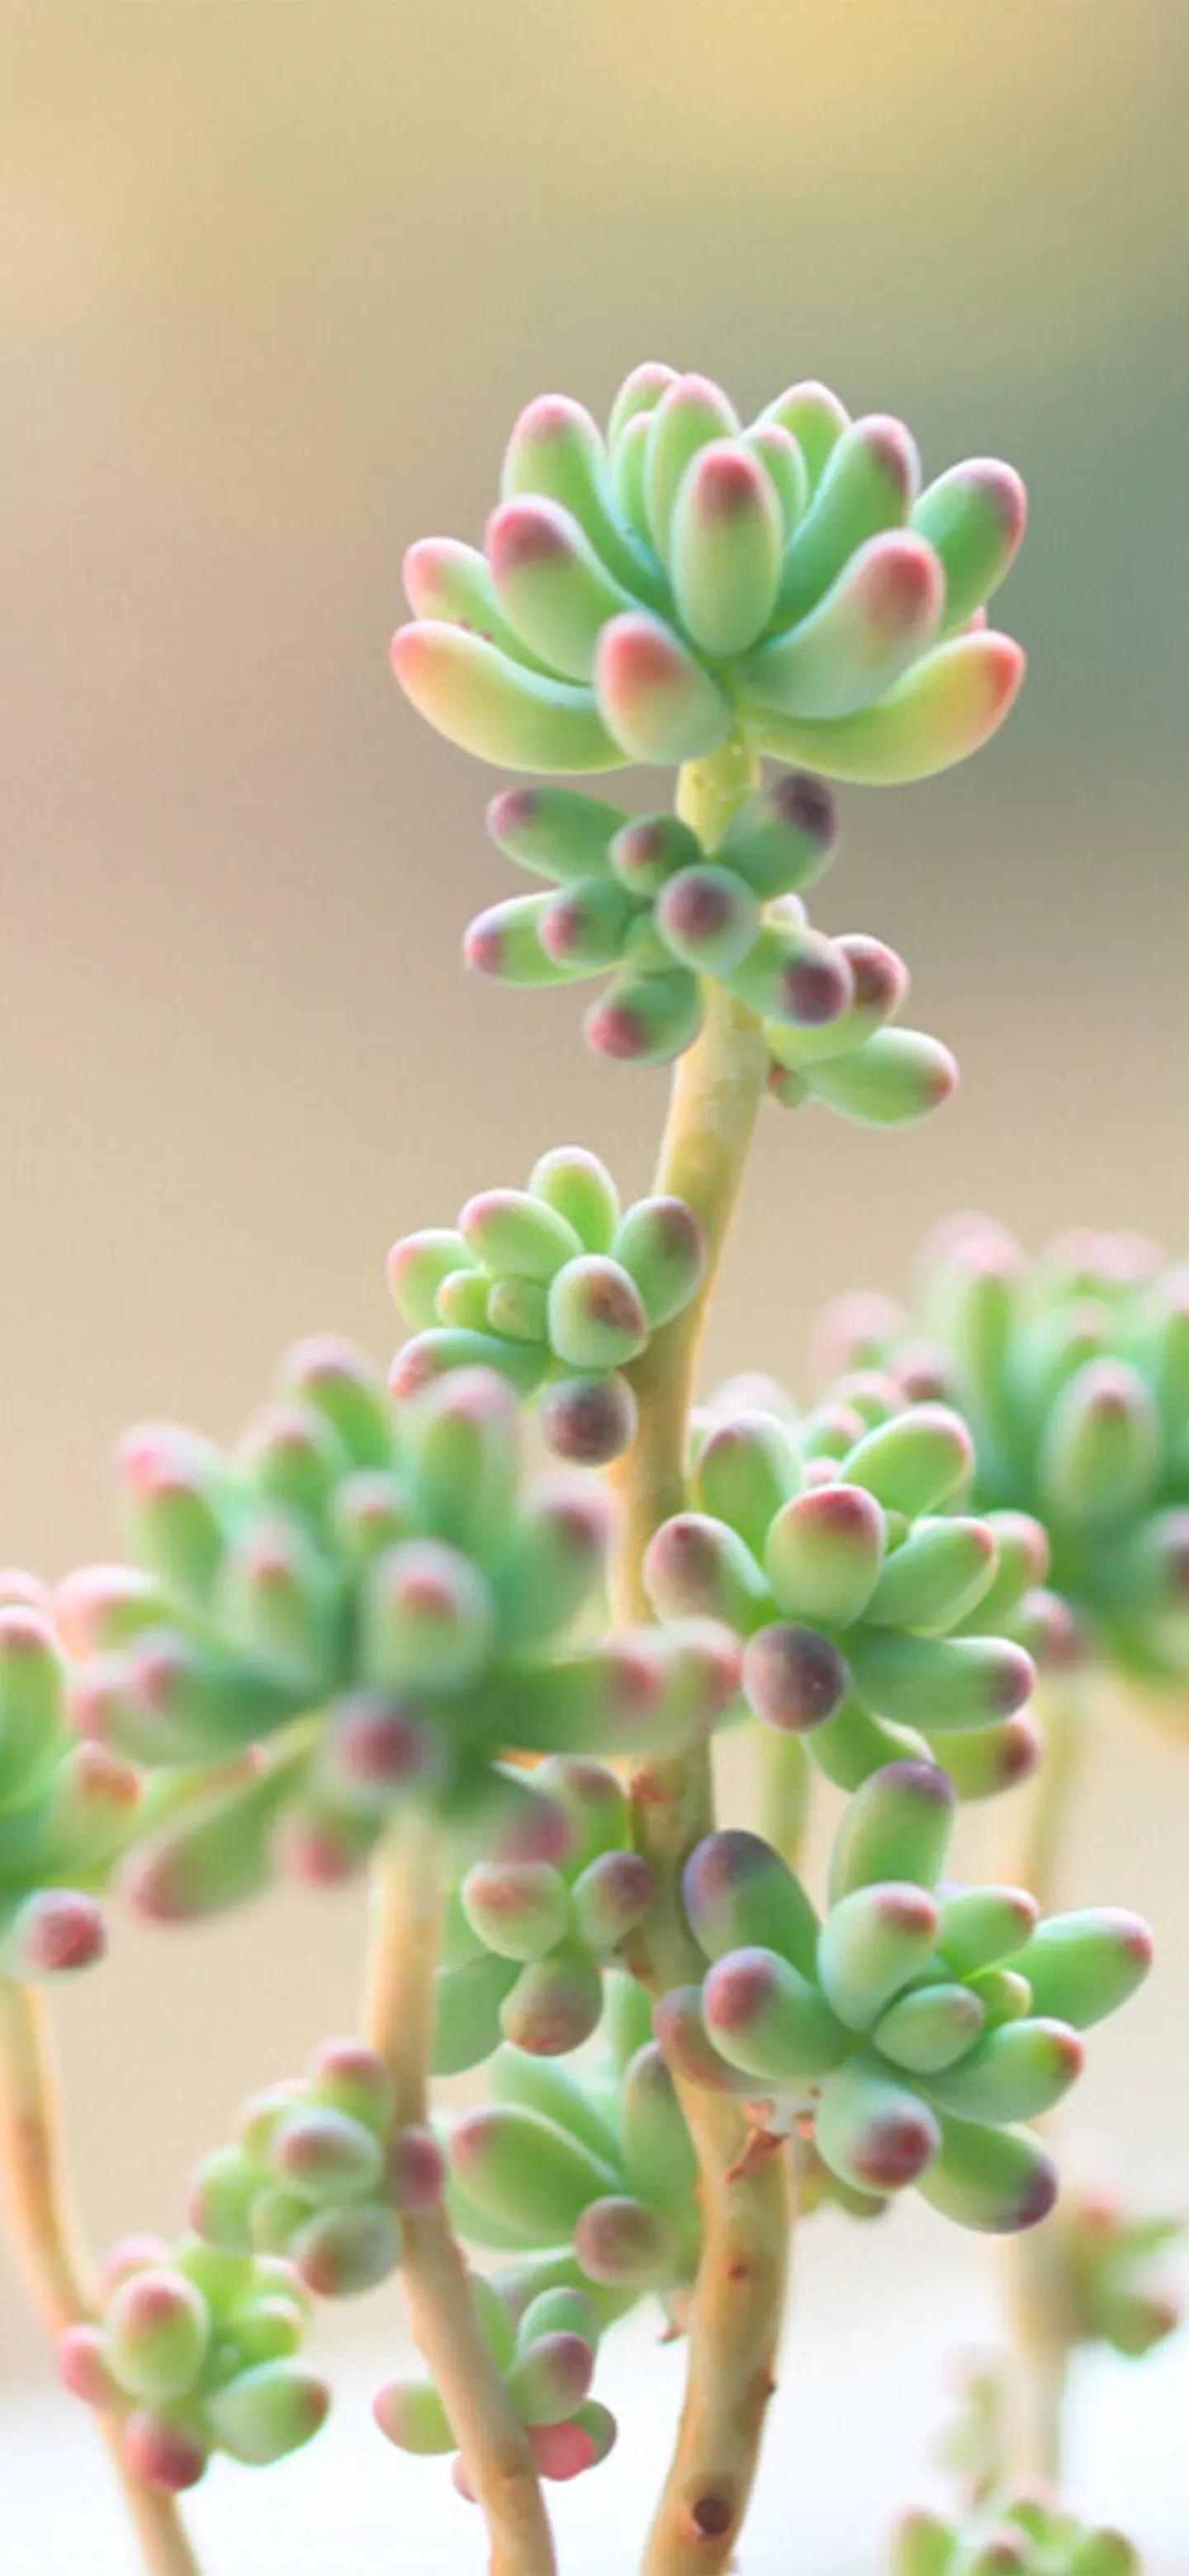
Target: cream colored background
[273, 280]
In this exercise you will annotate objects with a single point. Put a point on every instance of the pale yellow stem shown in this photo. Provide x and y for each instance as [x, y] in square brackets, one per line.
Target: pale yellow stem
[44, 2234]
[1062, 1707]
[738, 2303]
[407, 1902]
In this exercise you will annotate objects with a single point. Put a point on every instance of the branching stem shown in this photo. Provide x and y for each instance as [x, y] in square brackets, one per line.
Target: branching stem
[399, 2017]
[738, 2303]
[43, 2231]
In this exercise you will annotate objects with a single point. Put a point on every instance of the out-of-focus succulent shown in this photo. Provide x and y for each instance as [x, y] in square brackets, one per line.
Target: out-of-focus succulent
[196, 2352]
[67, 1808]
[318, 2174]
[368, 1600]
[1022, 2536]
[526, 1943]
[557, 1288]
[873, 1610]
[975, 2444]
[1073, 1373]
[545, 2352]
[645, 901]
[1102, 2273]
[915, 2024]
[586, 2179]
[641, 596]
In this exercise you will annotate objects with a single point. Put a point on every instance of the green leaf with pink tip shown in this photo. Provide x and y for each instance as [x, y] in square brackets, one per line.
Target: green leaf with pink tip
[941, 1683]
[725, 541]
[504, 943]
[644, 1018]
[450, 584]
[777, 452]
[768, 2020]
[973, 515]
[555, 592]
[944, 1567]
[996, 2181]
[555, 450]
[880, 981]
[867, 485]
[640, 392]
[872, 1944]
[690, 415]
[1017, 2072]
[1083, 1966]
[269, 2411]
[877, 619]
[815, 418]
[655, 700]
[875, 2134]
[520, 2170]
[946, 707]
[554, 831]
[497, 709]
[897, 1827]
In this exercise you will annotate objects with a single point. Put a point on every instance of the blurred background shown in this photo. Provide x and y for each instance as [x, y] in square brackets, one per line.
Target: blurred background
[275, 276]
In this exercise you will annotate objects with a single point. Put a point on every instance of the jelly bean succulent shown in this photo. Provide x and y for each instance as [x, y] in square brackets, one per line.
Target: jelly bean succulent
[591, 2175]
[371, 1635]
[197, 2352]
[640, 595]
[320, 2175]
[556, 1288]
[1105, 2273]
[545, 2356]
[525, 1943]
[366, 1600]
[871, 1607]
[917, 2023]
[1072, 1371]
[67, 1809]
[1024, 2536]
[646, 901]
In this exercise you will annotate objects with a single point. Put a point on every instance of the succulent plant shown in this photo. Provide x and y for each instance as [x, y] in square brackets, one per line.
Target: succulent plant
[583, 2178]
[545, 2354]
[917, 2022]
[196, 2352]
[365, 1635]
[557, 1288]
[1104, 2276]
[644, 900]
[68, 1809]
[319, 2174]
[873, 1610]
[1023, 2536]
[641, 595]
[526, 1943]
[1073, 1373]
[367, 1601]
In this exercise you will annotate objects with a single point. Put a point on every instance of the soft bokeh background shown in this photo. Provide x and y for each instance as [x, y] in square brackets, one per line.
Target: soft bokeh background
[273, 281]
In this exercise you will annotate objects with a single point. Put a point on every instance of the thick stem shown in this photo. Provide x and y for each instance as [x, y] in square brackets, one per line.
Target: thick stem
[1041, 2338]
[43, 2231]
[1065, 1718]
[399, 2016]
[1036, 2388]
[738, 2303]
